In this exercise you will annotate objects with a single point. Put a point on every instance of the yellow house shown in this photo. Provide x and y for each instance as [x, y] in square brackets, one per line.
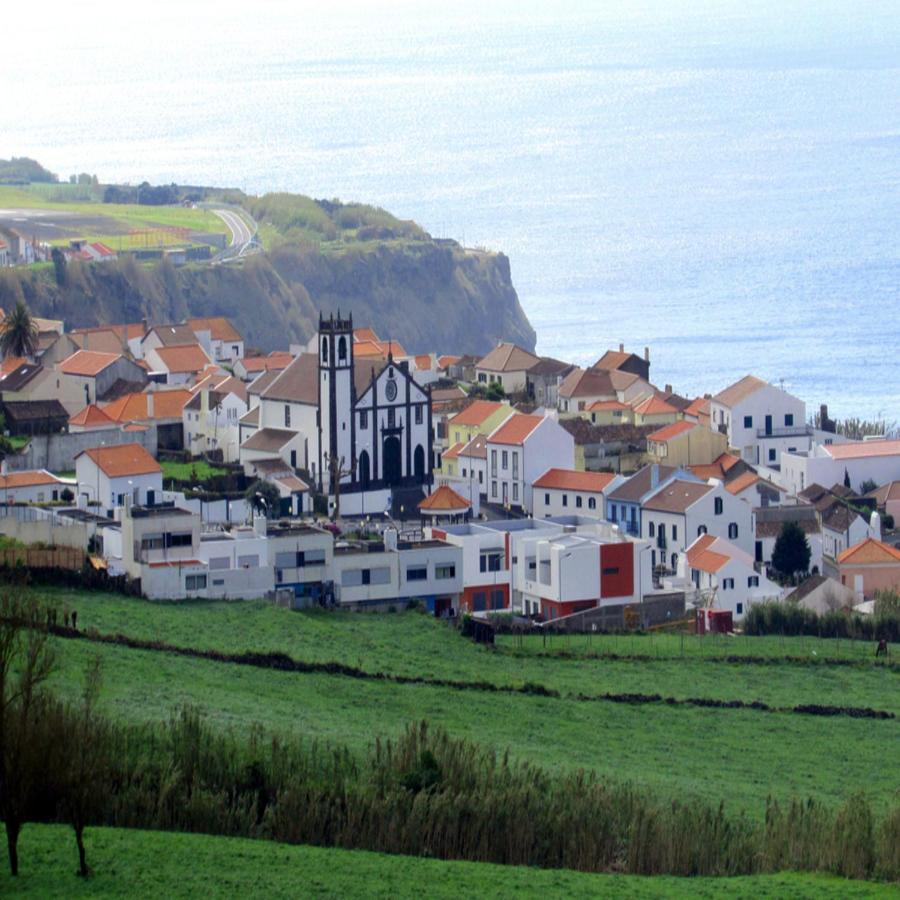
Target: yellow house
[480, 417]
[611, 412]
[685, 444]
[654, 410]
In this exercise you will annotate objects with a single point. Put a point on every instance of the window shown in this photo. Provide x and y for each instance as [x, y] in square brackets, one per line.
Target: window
[718, 506]
[515, 464]
[324, 349]
[727, 584]
[493, 463]
[610, 571]
[504, 460]
[491, 562]
[497, 600]
[748, 421]
[788, 420]
[674, 560]
[739, 609]
[392, 417]
[342, 348]
[478, 601]
[366, 576]
[546, 499]
[494, 489]
[772, 454]
[287, 415]
[482, 377]
[480, 477]
[516, 491]
[612, 512]
[194, 582]
[652, 529]
[419, 573]
[178, 540]
[674, 532]
[701, 530]
[445, 571]
[592, 502]
[753, 581]
[578, 501]
[418, 415]
[363, 419]
[565, 499]
[732, 531]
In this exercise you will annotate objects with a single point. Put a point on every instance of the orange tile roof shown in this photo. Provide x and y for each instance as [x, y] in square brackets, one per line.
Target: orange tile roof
[476, 413]
[87, 362]
[394, 348]
[363, 349]
[423, 361]
[699, 407]
[869, 552]
[365, 334]
[122, 460]
[277, 359]
[742, 482]
[444, 361]
[602, 405]
[11, 363]
[219, 328]
[183, 358]
[671, 431]
[700, 556]
[31, 478]
[444, 499]
[717, 468]
[133, 407]
[654, 406]
[863, 449]
[91, 417]
[515, 429]
[573, 480]
[453, 452]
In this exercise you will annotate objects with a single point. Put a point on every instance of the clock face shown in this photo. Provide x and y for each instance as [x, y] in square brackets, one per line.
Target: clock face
[390, 390]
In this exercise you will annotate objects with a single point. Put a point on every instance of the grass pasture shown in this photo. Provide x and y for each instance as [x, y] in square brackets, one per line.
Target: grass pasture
[737, 755]
[160, 864]
[197, 471]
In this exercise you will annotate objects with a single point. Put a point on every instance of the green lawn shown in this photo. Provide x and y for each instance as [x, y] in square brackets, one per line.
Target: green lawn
[196, 471]
[418, 645]
[159, 864]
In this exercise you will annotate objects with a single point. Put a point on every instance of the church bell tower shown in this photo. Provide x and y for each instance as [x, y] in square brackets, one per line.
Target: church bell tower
[336, 395]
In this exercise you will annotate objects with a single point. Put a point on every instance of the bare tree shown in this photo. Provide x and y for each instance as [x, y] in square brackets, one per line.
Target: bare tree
[337, 471]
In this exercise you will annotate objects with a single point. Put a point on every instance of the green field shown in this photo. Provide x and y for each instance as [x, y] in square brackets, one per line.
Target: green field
[158, 864]
[739, 756]
[198, 470]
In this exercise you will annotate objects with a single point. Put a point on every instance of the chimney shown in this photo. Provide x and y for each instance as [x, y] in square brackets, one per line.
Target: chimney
[654, 475]
[621, 348]
[259, 525]
[668, 388]
[145, 324]
[646, 354]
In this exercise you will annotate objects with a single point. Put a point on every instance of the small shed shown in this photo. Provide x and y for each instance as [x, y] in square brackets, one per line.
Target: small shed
[35, 416]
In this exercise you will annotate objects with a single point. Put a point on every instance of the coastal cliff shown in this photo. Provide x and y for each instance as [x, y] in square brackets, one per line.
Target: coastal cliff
[429, 295]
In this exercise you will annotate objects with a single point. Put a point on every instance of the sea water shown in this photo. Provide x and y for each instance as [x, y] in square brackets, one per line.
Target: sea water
[715, 181]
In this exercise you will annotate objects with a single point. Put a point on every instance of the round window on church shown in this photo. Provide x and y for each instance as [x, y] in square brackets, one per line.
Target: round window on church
[390, 390]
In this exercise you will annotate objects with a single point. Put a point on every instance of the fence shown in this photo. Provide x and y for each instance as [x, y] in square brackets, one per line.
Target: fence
[70, 558]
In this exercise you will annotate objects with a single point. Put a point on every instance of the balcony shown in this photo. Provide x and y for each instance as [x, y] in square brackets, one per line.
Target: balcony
[786, 432]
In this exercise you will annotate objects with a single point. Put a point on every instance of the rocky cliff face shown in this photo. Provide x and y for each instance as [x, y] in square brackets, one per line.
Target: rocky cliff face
[428, 295]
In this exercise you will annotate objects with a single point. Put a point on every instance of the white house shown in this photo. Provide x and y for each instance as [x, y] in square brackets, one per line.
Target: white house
[681, 511]
[221, 340]
[34, 486]
[760, 420]
[211, 418]
[179, 363]
[107, 475]
[559, 492]
[507, 365]
[843, 528]
[771, 521]
[520, 450]
[724, 575]
[875, 460]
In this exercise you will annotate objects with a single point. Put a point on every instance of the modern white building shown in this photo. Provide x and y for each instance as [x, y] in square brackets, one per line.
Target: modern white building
[519, 451]
[875, 460]
[760, 420]
[560, 492]
[33, 486]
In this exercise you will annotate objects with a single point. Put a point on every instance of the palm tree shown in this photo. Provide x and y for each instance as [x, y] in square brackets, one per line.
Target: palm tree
[19, 332]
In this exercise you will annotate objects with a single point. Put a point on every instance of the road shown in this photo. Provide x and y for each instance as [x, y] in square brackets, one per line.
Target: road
[240, 231]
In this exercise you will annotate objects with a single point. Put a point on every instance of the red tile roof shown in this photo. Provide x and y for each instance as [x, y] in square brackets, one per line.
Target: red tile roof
[91, 417]
[219, 328]
[444, 499]
[654, 406]
[277, 359]
[863, 449]
[573, 480]
[122, 460]
[515, 429]
[448, 360]
[700, 556]
[453, 452]
[717, 468]
[671, 431]
[699, 407]
[602, 405]
[134, 407]
[31, 478]
[742, 482]
[870, 552]
[87, 362]
[365, 334]
[477, 413]
[183, 358]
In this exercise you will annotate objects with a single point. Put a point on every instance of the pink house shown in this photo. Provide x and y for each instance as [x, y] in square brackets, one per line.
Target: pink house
[870, 566]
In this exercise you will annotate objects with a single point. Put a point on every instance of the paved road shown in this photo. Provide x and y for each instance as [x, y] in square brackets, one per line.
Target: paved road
[240, 232]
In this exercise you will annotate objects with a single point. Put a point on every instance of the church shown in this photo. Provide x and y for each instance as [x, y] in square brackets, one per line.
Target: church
[359, 428]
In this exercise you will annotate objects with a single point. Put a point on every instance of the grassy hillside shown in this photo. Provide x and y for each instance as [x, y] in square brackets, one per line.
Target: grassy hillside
[738, 755]
[144, 863]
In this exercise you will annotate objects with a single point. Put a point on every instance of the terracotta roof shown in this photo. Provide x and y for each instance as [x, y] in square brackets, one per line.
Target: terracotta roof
[277, 359]
[870, 552]
[863, 449]
[587, 383]
[133, 407]
[698, 408]
[654, 406]
[740, 390]
[742, 482]
[671, 431]
[839, 517]
[30, 478]
[219, 328]
[453, 451]
[605, 405]
[700, 555]
[423, 361]
[270, 440]
[390, 346]
[91, 417]
[186, 358]
[172, 335]
[444, 499]
[368, 348]
[677, 496]
[298, 383]
[515, 429]
[573, 480]
[507, 357]
[445, 395]
[11, 363]
[365, 334]
[448, 360]
[615, 359]
[122, 460]
[889, 491]
[19, 377]
[717, 468]
[87, 362]
[477, 413]
[104, 340]
[102, 249]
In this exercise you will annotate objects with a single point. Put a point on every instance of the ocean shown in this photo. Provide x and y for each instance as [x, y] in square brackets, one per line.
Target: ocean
[715, 181]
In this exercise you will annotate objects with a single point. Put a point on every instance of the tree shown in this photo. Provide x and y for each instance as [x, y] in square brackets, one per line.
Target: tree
[846, 478]
[868, 486]
[264, 496]
[791, 553]
[337, 471]
[495, 391]
[19, 332]
[26, 661]
[59, 267]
